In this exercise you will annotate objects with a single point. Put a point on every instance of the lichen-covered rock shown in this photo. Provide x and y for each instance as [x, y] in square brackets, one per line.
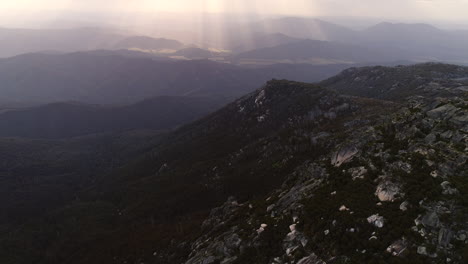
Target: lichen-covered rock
[344, 155]
[388, 191]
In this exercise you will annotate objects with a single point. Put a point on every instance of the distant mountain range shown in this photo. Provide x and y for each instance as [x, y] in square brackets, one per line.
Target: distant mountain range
[147, 43]
[19, 41]
[255, 41]
[106, 77]
[388, 41]
[418, 42]
[318, 52]
[303, 28]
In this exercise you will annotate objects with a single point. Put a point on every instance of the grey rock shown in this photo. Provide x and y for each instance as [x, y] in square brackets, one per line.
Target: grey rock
[376, 220]
[388, 191]
[358, 173]
[398, 247]
[209, 260]
[445, 236]
[444, 111]
[343, 155]
[422, 251]
[431, 138]
[447, 189]
[232, 242]
[312, 259]
[460, 120]
[431, 220]
[404, 206]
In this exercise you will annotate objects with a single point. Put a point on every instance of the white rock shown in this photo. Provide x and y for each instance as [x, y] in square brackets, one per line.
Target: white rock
[270, 207]
[326, 232]
[358, 173]
[292, 228]
[376, 220]
[290, 250]
[397, 248]
[344, 155]
[387, 191]
[262, 228]
[343, 208]
[404, 206]
[260, 97]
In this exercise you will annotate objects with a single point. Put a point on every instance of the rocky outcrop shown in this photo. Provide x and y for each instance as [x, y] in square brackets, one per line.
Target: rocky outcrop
[376, 220]
[388, 191]
[394, 186]
[344, 155]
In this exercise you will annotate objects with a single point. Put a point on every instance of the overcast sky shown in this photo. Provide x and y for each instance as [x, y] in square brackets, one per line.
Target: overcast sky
[423, 10]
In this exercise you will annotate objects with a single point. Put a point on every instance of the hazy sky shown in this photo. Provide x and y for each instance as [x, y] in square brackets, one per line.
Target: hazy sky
[409, 10]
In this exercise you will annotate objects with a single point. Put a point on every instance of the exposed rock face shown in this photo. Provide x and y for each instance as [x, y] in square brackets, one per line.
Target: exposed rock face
[443, 112]
[344, 155]
[225, 249]
[312, 259]
[415, 156]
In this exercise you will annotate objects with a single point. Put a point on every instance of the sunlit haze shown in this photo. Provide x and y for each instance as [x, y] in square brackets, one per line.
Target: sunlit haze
[410, 10]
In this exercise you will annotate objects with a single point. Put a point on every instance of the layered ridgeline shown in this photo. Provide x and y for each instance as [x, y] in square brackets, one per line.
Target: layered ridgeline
[65, 120]
[125, 77]
[309, 175]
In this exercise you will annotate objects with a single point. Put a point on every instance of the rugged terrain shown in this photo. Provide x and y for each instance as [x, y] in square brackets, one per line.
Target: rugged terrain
[393, 191]
[354, 170]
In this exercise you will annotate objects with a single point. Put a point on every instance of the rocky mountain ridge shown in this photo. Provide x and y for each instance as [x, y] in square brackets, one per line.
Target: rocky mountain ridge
[393, 191]
[310, 175]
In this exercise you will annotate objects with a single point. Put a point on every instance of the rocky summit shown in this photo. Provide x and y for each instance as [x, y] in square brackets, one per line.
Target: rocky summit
[389, 185]
[366, 167]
